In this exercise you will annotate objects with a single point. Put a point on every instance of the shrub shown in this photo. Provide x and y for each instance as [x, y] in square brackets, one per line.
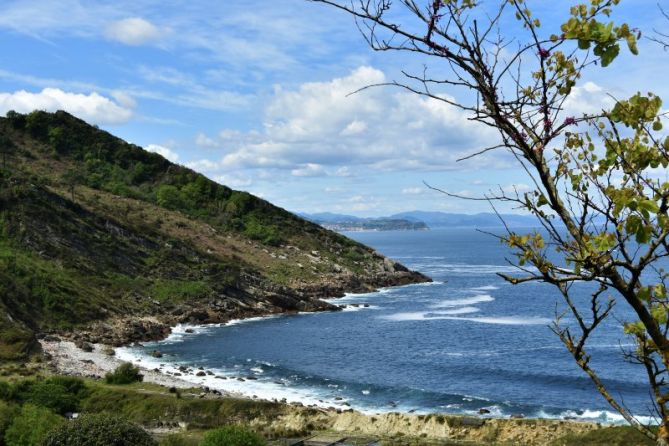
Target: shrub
[7, 413]
[31, 425]
[232, 436]
[99, 430]
[126, 373]
[5, 391]
[75, 386]
[52, 396]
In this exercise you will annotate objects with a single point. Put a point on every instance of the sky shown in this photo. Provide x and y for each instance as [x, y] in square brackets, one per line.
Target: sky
[256, 95]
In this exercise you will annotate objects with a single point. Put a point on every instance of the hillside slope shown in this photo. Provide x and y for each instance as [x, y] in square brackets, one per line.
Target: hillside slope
[102, 237]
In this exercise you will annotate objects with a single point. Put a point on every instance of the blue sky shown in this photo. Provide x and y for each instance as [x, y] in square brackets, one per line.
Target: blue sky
[254, 94]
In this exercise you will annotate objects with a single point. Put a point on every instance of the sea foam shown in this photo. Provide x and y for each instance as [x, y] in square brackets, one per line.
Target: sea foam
[480, 298]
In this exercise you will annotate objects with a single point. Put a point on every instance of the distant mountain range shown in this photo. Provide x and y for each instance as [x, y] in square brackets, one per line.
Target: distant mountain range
[418, 220]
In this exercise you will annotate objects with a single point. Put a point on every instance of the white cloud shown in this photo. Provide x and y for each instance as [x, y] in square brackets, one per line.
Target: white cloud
[344, 171]
[124, 99]
[93, 107]
[589, 98]
[203, 165]
[234, 181]
[203, 140]
[354, 128]
[134, 31]
[168, 154]
[413, 191]
[320, 123]
[308, 170]
[519, 188]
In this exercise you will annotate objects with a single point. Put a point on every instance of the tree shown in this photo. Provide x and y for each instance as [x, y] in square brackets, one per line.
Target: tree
[6, 148]
[71, 178]
[597, 194]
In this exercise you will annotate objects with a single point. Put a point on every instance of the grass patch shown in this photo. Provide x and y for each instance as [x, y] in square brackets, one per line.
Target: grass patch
[608, 436]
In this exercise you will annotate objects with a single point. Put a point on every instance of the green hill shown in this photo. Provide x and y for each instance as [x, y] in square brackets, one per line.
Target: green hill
[116, 243]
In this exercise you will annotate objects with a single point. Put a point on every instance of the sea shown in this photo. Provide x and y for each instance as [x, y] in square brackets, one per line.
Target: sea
[465, 342]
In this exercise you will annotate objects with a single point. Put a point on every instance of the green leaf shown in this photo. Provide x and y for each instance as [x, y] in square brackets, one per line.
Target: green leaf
[649, 206]
[644, 234]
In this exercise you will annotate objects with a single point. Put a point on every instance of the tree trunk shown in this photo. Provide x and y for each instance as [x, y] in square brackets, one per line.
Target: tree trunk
[663, 433]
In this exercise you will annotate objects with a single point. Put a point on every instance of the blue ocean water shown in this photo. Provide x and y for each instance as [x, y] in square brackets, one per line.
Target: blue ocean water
[465, 342]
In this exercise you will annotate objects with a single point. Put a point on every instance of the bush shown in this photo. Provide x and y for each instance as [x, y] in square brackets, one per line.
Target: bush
[75, 386]
[126, 373]
[52, 396]
[232, 436]
[7, 413]
[99, 430]
[31, 426]
[6, 392]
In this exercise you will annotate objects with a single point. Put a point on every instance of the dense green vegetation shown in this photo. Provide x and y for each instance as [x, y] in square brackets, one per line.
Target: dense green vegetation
[126, 373]
[31, 425]
[108, 163]
[99, 430]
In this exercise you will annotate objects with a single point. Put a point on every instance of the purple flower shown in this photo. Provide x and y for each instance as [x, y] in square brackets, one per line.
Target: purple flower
[570, 121]
[544, 53]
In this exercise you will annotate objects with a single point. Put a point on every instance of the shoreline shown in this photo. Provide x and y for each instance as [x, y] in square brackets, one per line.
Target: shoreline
[70, 360]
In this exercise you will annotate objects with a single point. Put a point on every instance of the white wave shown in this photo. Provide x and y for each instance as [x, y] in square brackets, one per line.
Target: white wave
[505, 320]
[456, 311]
[365, 392]
[485, 288]
[415, 316]
[434, 316]
[422, 284]
[360, 307]
[480, 298]
[601, 416]
[429, 315]
[232, 322]
[462, 268]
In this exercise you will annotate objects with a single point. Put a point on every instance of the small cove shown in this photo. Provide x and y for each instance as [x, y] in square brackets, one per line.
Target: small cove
[467, 341]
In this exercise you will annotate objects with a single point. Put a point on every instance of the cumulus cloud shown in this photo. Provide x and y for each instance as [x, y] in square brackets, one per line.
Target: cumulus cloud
[166, 153]
[308, 170]
[234, 180]
[589, 99]
[203, 140]
[321, 123]
[134, 31]
[93, 107]
[203, 165]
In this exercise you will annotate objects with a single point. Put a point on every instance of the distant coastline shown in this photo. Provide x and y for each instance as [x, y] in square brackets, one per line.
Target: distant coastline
[376, 225]
[417, 221]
